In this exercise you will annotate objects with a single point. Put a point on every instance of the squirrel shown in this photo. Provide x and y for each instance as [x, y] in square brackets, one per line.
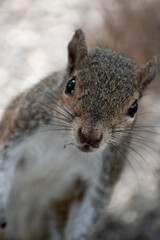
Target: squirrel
[63, 143]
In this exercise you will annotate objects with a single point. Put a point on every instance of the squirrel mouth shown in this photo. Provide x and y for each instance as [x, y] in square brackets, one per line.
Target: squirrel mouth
[85, 148]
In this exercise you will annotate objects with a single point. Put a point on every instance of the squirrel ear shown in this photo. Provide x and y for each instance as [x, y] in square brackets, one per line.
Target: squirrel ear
[147, 73]
[77, 50]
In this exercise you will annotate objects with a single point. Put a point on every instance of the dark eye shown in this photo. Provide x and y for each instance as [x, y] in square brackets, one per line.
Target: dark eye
[133, 109]
[70, 85]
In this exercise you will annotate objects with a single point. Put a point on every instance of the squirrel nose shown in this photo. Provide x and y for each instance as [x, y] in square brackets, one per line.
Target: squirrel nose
[90, 136]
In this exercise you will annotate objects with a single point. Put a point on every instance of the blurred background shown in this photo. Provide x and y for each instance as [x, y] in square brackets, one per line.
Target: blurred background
[33, 43]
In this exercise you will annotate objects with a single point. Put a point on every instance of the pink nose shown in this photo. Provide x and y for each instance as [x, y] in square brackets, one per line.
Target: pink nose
[90, 136]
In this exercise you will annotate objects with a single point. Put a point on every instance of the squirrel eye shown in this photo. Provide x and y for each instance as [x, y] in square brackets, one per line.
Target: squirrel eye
[70, 85]
[133, 109]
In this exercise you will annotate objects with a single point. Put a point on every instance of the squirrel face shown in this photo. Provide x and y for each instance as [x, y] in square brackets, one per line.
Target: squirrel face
[103, 89]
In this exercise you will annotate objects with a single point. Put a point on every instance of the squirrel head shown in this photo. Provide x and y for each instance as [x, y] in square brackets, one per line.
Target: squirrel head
[102, 91]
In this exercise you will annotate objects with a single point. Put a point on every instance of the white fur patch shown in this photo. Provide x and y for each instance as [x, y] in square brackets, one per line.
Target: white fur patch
[50, 170]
